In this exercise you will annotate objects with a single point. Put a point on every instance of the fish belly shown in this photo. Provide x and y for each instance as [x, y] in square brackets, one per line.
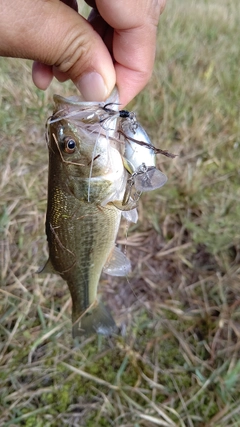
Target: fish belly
[81, 237]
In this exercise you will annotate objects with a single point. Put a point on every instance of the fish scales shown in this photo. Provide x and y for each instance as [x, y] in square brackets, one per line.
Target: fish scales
[79, 244]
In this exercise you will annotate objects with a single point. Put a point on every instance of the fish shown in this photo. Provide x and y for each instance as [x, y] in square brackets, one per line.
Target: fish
[86, 183]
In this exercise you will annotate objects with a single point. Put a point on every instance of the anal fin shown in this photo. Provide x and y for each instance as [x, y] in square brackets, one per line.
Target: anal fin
[118, 264]
[131, 216]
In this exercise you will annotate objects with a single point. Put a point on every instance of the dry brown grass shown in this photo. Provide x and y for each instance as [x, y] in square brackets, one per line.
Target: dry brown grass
[178, 361]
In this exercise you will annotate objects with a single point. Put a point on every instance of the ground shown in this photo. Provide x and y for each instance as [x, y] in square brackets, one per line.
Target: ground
[177, 363]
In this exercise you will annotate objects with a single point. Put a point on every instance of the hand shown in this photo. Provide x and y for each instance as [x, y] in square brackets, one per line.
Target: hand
[116, 45]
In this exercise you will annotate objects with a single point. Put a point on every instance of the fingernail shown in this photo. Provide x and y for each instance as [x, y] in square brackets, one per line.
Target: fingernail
[92, 87]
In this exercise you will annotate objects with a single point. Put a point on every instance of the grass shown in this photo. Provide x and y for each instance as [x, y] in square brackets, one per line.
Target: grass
[178, 363]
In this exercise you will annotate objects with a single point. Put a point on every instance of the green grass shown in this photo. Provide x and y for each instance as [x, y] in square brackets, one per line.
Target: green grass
[178, 363]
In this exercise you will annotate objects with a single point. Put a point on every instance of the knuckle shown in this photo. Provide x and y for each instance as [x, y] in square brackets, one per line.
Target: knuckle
[75, 56]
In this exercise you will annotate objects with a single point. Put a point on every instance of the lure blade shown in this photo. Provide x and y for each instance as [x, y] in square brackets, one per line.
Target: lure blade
[150, 180]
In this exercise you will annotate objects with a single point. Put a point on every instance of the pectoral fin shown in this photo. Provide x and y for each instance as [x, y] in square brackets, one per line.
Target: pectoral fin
[47, 268]
[118, 264]
[131, 216]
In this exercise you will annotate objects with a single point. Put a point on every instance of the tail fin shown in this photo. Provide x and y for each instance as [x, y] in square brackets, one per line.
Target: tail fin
[96, 320]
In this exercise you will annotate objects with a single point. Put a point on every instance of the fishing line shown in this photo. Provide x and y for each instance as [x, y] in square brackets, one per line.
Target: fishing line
[62, 247]
[140, 300]
[91, 167]
[82, 113]
[67, 116]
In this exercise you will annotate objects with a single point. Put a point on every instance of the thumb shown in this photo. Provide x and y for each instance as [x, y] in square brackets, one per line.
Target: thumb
[52, 33]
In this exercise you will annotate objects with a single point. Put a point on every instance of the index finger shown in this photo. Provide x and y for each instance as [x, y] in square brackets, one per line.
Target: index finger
[134, 41]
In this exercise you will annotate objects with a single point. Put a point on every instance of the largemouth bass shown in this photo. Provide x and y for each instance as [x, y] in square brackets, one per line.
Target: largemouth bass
[87, 180]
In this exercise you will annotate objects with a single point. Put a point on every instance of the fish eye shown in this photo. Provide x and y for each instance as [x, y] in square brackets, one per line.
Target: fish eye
[69, 145]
